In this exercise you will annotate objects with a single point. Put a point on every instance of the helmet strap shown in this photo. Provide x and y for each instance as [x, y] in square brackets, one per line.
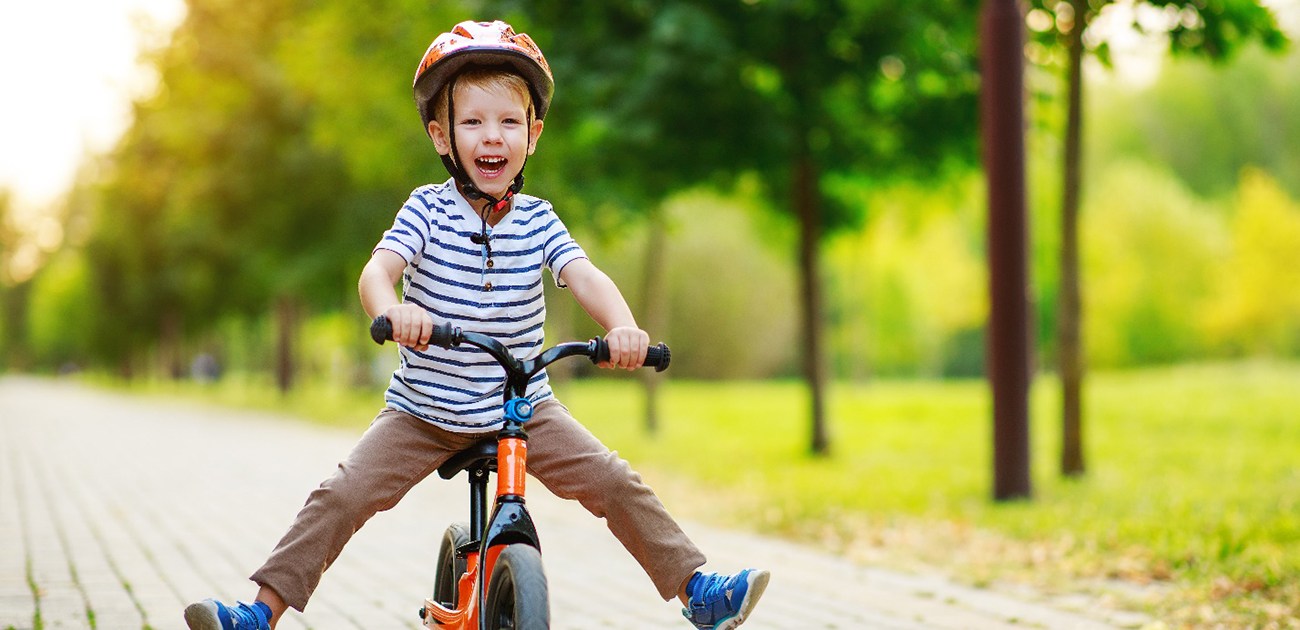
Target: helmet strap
[452, 162]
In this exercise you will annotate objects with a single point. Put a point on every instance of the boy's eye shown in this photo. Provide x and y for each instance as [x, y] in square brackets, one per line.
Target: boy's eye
[470, 121]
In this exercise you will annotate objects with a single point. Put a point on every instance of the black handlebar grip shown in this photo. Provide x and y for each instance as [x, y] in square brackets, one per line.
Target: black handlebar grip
[381, 330]
[445, 335]
[657, 356]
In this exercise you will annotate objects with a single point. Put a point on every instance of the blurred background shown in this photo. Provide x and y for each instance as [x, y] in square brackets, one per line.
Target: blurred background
[790, 193]
[206, 178]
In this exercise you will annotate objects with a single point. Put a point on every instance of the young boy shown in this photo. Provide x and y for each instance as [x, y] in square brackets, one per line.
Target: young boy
[470, 252]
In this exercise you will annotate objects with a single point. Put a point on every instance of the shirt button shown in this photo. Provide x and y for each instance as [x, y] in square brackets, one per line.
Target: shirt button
[487, 287]
[490, 264]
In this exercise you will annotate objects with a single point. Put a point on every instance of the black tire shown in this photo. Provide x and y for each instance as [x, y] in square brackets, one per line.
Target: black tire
[517, 597]
[450, 567]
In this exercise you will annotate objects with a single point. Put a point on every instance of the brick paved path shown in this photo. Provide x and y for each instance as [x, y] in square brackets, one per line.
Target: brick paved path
[115, 512]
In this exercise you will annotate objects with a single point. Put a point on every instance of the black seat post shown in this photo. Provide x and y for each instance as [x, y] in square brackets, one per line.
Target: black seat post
[476, 461]
[478, 483]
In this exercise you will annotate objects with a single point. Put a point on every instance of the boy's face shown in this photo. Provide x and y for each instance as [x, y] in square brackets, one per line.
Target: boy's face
[493, 136]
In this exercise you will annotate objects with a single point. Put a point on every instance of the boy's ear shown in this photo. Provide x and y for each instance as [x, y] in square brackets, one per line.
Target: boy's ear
[439, 137]
[534, 133]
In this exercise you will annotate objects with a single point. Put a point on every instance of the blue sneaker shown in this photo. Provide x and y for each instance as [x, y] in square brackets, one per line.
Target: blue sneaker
[721, 602]
[211, 614]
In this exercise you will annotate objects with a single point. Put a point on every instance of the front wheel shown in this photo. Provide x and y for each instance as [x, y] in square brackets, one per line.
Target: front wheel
[450, 566]
[517, 595]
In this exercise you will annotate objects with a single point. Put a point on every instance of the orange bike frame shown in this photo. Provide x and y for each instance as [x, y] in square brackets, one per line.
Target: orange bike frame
[512, 466]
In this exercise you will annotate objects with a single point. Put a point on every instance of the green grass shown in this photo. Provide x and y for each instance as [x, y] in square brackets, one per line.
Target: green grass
[1190, 509]
[1192, 494]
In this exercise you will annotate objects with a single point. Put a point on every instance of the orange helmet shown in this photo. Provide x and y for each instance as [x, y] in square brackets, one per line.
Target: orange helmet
[485, 43]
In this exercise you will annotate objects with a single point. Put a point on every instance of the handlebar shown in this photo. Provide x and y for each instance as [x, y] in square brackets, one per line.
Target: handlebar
[447, 336]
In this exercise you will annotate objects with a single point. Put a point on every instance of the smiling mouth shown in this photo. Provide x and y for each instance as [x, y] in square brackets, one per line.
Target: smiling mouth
[490, 166]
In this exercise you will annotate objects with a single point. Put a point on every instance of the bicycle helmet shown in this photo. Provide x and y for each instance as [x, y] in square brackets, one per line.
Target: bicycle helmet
[480, 44]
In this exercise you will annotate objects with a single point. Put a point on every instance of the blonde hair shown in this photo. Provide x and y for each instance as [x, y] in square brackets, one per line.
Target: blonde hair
[486, 77]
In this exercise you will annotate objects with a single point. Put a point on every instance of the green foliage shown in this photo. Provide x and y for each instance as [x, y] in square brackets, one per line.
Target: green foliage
[639, 88]
[721, 270]
[1208, 121]
[909, 290]
[266, 164]
[339, 354]
[1255, 309]
[61, 316]
[722, 281]
[1214, 30]
[672, 93]
[9, 236]
[353, 62]
[1149, 251]
[199, 198]
[8, 240]
[1169, 276]
[282, 138]
[234, 187]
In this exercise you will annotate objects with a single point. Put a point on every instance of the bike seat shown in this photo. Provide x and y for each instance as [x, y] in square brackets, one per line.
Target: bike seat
[482, 454]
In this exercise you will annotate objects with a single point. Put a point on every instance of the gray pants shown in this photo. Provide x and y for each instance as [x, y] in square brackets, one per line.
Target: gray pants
[400, 450]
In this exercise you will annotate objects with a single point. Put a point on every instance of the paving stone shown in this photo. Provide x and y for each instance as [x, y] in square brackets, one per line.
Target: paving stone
[129, 509]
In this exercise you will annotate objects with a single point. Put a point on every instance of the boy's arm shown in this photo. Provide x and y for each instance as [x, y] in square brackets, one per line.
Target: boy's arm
[412, 325]
[600, 297]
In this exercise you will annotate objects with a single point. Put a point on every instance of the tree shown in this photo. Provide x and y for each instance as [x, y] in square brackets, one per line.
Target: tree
[1209, 121]
[1212, 29]
[808, 95]
[13, 291]
[625, 73]
[217, 202]
[254, 182]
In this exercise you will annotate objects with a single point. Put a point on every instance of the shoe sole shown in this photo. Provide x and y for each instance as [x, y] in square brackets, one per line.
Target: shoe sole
[757, 584]
[202, 616]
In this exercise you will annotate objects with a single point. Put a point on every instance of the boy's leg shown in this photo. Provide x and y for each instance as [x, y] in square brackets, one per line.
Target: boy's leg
[395, 453]
[573, 464]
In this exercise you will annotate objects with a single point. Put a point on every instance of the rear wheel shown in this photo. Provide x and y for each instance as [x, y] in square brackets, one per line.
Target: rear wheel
[517, 596]
[450, 567]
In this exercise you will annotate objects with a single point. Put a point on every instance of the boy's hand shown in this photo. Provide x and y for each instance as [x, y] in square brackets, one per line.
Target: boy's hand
[627, 347]
[412, 325]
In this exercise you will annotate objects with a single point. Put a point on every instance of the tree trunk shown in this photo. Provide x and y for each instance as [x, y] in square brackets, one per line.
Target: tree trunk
[654, 309]
[171, 346]
[1070, 303]
[286, 318]
[807, 206]
[13, 321]
[1009, 333]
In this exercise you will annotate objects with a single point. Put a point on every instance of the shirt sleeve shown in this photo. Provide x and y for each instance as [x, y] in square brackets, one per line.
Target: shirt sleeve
[559, 249]
[410, 231]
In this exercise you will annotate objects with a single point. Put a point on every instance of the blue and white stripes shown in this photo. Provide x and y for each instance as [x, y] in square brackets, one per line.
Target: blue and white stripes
[451, 277]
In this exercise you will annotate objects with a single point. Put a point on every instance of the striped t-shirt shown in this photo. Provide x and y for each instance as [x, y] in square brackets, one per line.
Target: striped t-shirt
[450, 276]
